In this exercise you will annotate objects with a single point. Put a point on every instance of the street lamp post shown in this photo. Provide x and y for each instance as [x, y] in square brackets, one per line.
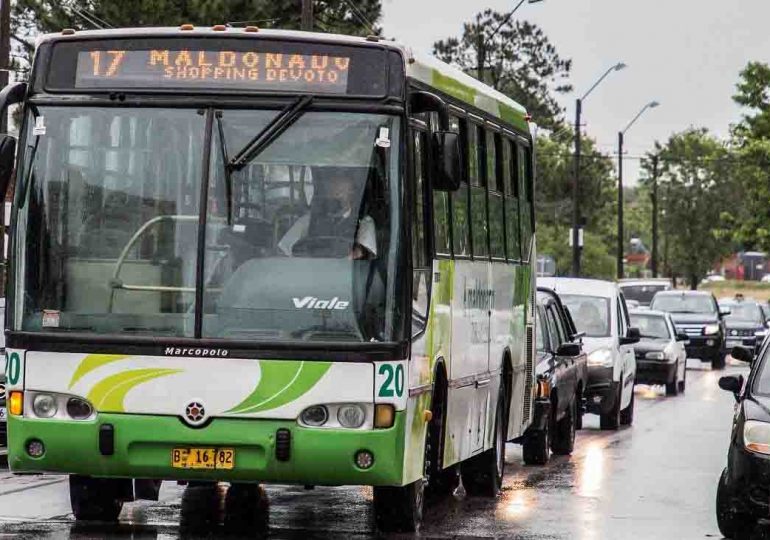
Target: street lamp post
[621, 135]
[576, 177]
[481, 41]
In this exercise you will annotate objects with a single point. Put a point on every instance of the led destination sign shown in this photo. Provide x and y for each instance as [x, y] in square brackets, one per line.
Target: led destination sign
[197, 67]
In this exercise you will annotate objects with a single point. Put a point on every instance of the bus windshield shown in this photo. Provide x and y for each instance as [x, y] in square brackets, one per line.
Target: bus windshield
[300, 242]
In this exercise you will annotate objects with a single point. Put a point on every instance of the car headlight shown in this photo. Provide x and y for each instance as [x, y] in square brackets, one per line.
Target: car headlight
[756, 436]
[710, 329]
[600, 357]
[760, 333]
[44, 406]
[655, 356]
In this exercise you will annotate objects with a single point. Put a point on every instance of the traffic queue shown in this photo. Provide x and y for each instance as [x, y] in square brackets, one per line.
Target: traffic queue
[610, 347]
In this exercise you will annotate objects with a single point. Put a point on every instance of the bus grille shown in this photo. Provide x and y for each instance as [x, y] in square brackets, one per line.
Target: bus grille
[528, 380]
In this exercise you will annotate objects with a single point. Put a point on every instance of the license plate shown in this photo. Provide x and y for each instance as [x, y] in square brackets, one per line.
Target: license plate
[2, 414]
[203, 458]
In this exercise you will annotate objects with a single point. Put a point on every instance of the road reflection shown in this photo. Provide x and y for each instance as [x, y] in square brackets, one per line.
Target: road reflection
[591, 470]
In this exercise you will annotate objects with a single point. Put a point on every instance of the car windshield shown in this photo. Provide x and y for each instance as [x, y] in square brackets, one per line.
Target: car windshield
[684, 303]
[743, 311]
[299, 244]
[642, 293]
[651, 326]
[591, 314]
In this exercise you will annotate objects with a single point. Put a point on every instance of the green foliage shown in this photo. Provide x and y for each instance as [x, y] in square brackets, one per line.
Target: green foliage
[753, 94]
[518, 60]
[596, 262]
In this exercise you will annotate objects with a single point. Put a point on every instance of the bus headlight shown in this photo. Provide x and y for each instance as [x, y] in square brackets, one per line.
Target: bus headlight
[756, 436]
[44, 406]
[79, 409]
[600, 357]
[314, 416]
[351, 416]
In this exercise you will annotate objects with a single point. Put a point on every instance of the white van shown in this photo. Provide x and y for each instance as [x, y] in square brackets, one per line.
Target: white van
[599, 311]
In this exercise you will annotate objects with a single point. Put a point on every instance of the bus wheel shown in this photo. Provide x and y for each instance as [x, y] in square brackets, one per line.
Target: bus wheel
[399, 509]
[483, 474]
[99, 499]
[201, 507]
[246, 508]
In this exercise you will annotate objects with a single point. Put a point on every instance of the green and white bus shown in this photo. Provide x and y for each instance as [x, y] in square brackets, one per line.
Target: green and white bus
[251, 256]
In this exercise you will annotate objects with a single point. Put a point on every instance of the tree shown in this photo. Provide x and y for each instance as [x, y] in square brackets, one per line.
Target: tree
[754, 94]
[30, 17]
[697, 186]
[517, 58]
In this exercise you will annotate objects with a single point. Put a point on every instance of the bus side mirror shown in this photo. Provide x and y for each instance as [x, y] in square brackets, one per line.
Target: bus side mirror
[447, 165]
[7, 156]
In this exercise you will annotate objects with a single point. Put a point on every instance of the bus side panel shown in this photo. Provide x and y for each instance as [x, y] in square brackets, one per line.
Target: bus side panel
[519, 413]
[503, 337]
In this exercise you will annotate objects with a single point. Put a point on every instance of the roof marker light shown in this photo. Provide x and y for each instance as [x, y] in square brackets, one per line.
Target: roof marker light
[219, 28]
[67, 31]
[372, 37]
[251, 29]
[187, 26]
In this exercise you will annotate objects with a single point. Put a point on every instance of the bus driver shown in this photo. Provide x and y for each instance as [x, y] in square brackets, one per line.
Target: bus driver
[334, 214]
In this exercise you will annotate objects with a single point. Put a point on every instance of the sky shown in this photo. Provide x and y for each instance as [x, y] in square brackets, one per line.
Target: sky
[686, 54]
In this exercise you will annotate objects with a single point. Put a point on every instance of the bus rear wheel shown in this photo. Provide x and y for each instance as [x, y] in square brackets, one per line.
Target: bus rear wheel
[483, 474]
[98, 499]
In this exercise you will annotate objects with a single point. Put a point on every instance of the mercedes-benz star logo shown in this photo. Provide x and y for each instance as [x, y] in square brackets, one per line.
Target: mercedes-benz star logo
[195, 412]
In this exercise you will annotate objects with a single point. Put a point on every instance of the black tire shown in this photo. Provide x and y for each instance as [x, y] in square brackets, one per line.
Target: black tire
[442, 481]
[672, 388]
[731, 524]
[97, 499]
[627, 414]
[246, 509]
[611, 420]
[483, 474]
[537, 446]
[683, 382]
[563, 440]
[399, 509]
[580, 411]
[201, 507]
[718, 362]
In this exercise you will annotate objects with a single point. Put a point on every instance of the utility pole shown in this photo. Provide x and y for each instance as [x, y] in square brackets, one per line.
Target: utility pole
[307, 15]
[621, 240]
[654, 196]
[479, 49]
[576, 194]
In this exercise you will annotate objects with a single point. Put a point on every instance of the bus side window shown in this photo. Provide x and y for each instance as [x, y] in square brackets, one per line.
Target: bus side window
[421, 270]
[510, 182]
[477, 152]
[525, 200]
[459, 198]
[496, 219]
[442, 239]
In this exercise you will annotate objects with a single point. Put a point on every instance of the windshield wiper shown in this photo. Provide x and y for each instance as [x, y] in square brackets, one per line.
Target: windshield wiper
[269, 133]
[225, 160]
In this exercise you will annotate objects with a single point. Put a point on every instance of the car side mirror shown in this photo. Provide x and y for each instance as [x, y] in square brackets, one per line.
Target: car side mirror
[732, 383]
[7, 157]
[447, 164]
[742, 353]
[569, 349]
[632, 336]
[724, 311]
[681, 336]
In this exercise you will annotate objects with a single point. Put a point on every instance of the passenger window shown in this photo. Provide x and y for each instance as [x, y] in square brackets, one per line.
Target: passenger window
[459, 201]
[496, 220]
[510, 182]
[553, 330]
[525, 199]
[478, 195]
[421, 271]
[540, 341]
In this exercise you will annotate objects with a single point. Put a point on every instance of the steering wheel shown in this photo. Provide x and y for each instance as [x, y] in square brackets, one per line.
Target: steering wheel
[335, 247]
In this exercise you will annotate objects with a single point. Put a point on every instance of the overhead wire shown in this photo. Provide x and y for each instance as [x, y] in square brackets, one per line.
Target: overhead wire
[360, 16]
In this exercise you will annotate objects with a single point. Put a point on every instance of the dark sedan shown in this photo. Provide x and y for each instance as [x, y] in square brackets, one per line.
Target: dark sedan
[660, 354]
[562, 374]
[743, 493]
[745, 325]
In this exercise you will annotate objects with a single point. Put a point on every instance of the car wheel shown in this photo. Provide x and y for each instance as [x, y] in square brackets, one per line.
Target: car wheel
[627, 414]
[683, 382]
[611, 420]
[672, 388]
[563, 441]
[719, 361]
[536, 449]
[731, 524]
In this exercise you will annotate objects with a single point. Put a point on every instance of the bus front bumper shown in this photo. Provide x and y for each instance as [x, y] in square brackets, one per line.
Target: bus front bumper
[143, 445]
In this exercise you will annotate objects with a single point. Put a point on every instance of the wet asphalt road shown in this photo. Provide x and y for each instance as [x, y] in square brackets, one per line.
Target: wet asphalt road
[656, 479]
